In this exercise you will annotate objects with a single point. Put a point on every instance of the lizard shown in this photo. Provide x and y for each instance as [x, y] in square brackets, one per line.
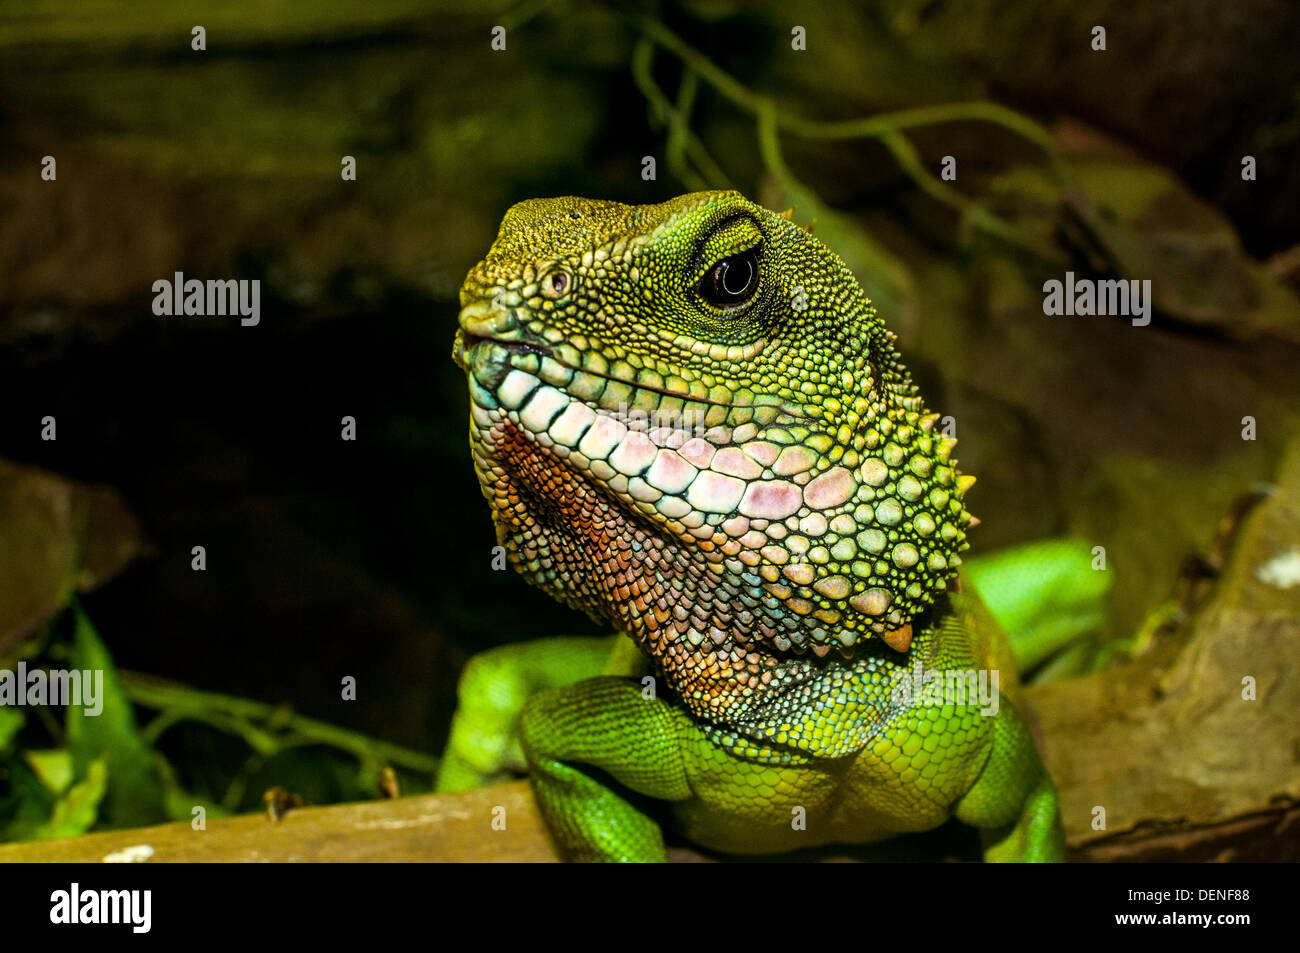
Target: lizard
[690, 423]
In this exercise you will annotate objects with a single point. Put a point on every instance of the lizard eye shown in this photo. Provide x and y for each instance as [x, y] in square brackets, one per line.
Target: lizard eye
[555, 284]
[732, 281]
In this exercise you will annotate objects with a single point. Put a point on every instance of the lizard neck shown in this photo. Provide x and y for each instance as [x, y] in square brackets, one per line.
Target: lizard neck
[825, 708]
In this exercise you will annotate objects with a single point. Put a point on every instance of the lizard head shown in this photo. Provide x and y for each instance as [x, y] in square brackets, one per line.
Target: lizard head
[689, 422]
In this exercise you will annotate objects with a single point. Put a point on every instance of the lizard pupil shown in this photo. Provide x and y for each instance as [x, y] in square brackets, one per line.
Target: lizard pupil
[731, 281]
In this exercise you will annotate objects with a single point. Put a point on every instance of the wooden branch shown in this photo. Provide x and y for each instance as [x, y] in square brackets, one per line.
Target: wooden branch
[1269, 837]
[431, 827]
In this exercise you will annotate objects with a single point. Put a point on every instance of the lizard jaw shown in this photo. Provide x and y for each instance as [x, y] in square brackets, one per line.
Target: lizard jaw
[731, 503]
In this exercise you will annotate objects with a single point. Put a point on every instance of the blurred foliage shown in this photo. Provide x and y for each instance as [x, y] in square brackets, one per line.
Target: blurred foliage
[106, 771]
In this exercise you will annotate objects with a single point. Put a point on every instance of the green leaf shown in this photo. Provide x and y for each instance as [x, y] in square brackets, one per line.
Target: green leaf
[27, 805]
[135, 795]
[53, 766]
[76, 812]
[11, 722]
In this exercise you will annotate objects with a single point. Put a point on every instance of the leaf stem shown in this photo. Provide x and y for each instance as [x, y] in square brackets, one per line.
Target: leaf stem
[265, 728]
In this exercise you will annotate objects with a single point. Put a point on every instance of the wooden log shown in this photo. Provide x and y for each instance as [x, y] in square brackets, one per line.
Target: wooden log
[431, 827]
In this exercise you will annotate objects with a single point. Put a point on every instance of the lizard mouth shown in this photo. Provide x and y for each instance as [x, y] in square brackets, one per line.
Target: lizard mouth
[466, 341]
[471, 341]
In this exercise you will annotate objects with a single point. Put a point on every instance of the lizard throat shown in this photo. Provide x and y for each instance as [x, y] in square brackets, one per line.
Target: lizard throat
[724, 555]
[569, 535]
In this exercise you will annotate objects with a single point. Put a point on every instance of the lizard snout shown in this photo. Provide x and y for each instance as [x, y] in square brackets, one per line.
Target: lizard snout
[486, 318]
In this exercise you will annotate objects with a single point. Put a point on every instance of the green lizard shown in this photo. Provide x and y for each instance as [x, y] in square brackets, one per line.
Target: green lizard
[690, 424]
